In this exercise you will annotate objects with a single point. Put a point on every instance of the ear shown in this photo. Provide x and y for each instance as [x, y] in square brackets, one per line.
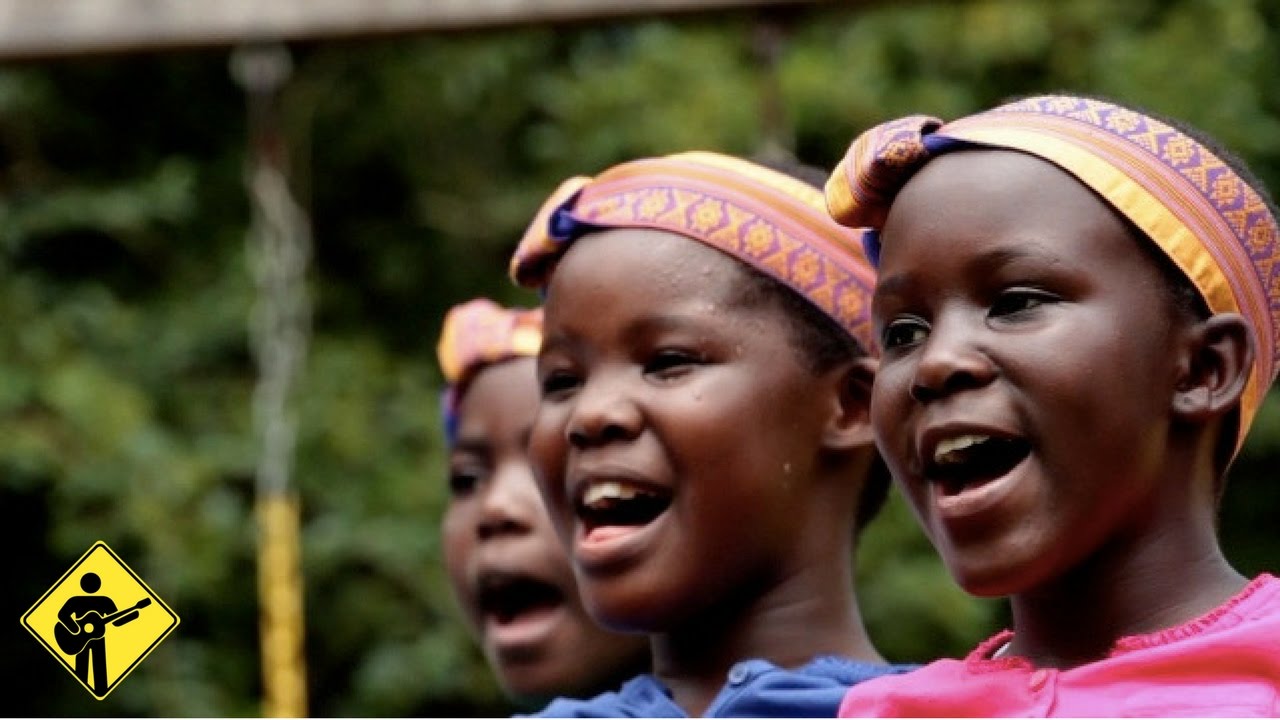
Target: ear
[849, 427]
[1216, 368]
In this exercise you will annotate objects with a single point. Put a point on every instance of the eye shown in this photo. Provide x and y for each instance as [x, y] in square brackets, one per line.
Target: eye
[668, 364]
[559, 381]
[903, 333]
[1019, 300]
[463, 480]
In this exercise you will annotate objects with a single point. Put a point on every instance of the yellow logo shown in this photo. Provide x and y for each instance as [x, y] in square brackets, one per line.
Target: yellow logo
[100, 620]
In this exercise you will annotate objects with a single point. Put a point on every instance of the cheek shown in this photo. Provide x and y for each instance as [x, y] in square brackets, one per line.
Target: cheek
[890, 402]
[458, 538]
[726, 408]
[547, 454]
[1082, 388]
[547, 442]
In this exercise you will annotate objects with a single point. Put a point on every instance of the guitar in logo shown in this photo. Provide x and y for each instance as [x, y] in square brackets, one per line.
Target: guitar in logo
[92, 625]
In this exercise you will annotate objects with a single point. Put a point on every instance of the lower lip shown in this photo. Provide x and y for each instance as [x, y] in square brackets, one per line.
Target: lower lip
[607, 548]
[978, 501]
[524, 631]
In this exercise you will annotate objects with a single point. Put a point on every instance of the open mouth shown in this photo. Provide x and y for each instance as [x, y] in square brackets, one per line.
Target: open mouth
[613, 503]
[507, 598]
[967, 461]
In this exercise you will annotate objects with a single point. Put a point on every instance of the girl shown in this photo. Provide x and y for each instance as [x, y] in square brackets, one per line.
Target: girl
[1078, 308]
[702, 442]
[507, 568]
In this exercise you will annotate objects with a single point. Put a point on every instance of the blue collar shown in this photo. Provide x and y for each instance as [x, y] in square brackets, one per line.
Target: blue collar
[753, 688]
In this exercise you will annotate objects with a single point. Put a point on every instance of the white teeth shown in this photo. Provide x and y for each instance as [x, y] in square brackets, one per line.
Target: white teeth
[942, 453]
[609, 490]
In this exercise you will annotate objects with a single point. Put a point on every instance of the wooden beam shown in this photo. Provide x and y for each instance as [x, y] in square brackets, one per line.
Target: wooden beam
[52, 28]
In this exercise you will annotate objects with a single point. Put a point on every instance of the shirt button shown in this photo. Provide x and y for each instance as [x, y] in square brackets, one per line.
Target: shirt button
[739, 674]
[1038, 679]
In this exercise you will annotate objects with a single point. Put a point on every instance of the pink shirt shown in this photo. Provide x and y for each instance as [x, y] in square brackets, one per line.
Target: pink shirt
[1225, 663]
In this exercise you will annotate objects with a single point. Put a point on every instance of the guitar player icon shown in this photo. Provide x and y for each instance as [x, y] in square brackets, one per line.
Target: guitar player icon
[83, 620]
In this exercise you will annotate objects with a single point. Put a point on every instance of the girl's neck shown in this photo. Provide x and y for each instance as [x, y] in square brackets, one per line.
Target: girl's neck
[809, 614]
[1078, 618]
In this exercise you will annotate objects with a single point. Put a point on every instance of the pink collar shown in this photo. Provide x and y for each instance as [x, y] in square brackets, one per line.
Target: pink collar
[983, 658]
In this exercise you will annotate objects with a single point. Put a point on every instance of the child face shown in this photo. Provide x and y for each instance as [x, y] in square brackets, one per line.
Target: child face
[677, 433]
[506, 565]
[1024, 395]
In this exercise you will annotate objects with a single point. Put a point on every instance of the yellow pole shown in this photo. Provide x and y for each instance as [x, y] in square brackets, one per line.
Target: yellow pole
[280, 596]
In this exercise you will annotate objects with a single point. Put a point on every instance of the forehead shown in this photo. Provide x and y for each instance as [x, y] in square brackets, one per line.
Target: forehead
[508, 389]
[995, 189]
[1003, 202]
[631, 270]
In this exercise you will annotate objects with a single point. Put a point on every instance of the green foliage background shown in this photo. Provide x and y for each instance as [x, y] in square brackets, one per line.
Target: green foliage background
[125, 374]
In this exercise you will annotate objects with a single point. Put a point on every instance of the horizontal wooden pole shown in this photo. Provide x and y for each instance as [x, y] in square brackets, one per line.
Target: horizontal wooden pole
[52, 28]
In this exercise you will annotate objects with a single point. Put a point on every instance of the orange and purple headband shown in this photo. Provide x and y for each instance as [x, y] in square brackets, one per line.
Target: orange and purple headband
[766, 219]
[1217, 229]
[477, 334]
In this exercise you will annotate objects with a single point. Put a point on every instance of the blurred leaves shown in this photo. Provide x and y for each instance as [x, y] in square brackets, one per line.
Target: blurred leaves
[125, 375]
[122, 210]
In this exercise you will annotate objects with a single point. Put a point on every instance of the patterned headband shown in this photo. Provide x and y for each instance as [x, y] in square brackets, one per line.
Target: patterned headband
[771, 221]
[476, 334]
[1193, 206]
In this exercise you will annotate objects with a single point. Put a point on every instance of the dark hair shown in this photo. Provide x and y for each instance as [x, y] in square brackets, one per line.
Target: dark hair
[1186, 304]
[1231, 425]
[1186, 300]
[824, 342]
[820, 343]
[1182, 286]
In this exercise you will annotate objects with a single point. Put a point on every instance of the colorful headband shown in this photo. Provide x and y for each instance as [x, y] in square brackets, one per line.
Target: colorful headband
[1215, 227]
[771, 221]
[477, 334]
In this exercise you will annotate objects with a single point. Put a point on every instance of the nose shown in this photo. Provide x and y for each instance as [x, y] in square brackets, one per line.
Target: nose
[603, 413]
[509, 501]
[950, 362]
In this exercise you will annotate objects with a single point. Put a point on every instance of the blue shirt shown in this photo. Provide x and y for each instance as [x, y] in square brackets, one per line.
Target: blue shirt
[755, 688]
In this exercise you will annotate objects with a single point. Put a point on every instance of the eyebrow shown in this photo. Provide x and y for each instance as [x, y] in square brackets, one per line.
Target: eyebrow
[645, 324]
[475, 445]
[553, 342]
[658, 323]
[893, 285]
[1007, 256]
[985, 262]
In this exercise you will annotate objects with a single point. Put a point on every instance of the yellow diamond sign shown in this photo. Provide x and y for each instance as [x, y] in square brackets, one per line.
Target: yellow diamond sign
[100, 620]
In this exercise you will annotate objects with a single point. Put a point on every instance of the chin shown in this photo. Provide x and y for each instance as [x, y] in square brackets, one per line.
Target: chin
[537, 684]
[625, 611]
[984, 579]
[626, 617]
[985, 588]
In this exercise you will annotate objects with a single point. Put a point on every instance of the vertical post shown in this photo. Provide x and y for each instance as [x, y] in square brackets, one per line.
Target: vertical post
[278, 247]
[768, 40]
